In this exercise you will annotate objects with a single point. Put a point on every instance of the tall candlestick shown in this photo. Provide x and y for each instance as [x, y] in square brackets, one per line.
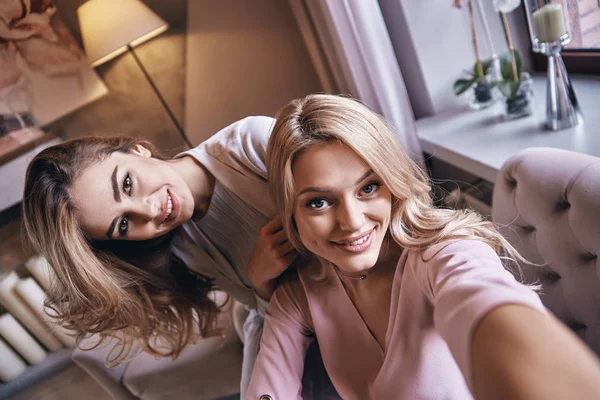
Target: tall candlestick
[549, 23]
[562, 107]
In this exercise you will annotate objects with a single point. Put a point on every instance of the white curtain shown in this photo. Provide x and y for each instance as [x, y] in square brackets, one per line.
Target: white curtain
[352, 52]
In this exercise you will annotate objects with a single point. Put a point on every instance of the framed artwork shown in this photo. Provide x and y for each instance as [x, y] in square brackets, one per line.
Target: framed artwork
[43, 72]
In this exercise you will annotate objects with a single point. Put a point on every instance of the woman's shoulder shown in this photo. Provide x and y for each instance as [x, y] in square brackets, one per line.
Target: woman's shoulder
[469, 247]
[446, 263]
[456, 252]
[249, 133]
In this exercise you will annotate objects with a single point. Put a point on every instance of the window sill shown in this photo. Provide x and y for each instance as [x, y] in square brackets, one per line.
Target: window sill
[479, 142]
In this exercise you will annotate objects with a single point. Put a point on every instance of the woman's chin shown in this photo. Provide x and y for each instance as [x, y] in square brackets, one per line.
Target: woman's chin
[357, 265]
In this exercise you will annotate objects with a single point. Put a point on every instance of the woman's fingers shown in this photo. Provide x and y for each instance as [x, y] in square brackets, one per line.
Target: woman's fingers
[290, 257]
[284, 248]
[273, 226]
[279, 237]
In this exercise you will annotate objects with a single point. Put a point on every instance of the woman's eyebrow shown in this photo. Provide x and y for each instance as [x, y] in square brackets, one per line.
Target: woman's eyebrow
[111, 228]
[365, 176]
[328, 190]
[117, 196]
[115, 186]
[315, 189]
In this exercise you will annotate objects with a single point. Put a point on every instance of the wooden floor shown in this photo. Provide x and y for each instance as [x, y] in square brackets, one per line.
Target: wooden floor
[72, 383]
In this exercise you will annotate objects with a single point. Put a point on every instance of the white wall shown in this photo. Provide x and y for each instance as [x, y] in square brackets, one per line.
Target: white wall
[433, 45]
[243, 58]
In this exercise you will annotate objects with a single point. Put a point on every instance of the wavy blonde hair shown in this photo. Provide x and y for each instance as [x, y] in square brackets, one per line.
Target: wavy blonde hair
[415, 223]
[124, 289]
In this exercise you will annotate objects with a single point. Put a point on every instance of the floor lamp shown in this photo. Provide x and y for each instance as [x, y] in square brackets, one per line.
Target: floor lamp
[110, 28]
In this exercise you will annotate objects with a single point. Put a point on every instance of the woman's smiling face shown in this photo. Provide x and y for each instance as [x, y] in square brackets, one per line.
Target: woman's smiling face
[131, 196]
[342, 209]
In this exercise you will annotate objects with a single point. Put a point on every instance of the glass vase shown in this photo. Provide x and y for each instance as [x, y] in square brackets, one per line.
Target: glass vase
[482, 94]
[521, 104]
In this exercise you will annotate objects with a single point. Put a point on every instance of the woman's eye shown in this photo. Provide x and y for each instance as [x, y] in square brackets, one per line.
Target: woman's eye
[123, 225]
[318, 204]
[127, 185]
[370, 188]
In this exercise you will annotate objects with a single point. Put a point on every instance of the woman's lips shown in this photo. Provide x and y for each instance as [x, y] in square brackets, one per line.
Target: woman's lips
[358, 244]
[175, 209]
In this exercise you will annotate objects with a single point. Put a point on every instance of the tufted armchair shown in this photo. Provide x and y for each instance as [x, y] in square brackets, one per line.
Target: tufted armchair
[547, 203]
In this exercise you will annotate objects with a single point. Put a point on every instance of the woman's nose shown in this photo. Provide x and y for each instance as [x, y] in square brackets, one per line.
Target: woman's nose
[351, 216]
[146, 209]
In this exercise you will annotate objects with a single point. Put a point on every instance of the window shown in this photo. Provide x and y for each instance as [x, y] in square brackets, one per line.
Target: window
[582, 55]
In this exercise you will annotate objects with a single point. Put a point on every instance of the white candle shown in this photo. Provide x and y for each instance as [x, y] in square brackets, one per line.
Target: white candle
[549, 22]
[40, 269]
[20, 340]
[14, 305]
[11, 365]
[33, 295]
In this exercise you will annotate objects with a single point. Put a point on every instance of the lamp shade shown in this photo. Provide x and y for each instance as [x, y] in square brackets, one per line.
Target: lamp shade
[109, 26]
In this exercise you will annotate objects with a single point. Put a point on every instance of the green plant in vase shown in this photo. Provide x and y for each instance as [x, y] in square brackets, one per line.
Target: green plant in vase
[516, 85]
[477, 79]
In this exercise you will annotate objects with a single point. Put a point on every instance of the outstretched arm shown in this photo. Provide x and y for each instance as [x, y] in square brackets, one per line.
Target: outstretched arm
[500, 334]
[519, 353]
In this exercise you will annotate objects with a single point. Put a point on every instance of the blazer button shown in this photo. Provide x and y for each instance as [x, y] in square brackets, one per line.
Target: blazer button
[265, 397]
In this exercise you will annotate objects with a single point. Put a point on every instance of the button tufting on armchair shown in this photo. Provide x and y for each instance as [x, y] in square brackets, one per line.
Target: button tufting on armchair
[547, 203]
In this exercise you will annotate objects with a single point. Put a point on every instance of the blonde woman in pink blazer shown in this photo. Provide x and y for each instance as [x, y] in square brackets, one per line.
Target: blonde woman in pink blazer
[406, 301]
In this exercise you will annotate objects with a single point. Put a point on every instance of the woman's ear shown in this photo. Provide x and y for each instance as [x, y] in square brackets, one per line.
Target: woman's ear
[140, 150]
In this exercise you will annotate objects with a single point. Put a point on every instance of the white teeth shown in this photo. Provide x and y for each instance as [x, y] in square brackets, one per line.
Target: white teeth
[357, 241]
[169, 206]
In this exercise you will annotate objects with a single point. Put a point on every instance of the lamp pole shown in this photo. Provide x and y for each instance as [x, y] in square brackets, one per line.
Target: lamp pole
[162, 100]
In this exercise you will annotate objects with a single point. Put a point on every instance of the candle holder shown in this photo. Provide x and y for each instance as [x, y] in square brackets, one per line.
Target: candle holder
[562, 107]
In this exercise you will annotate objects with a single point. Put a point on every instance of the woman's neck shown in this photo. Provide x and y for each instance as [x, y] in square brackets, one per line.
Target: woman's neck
[198, 179]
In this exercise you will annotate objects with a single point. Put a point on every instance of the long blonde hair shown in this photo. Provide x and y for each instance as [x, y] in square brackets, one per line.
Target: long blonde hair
[416, 223]
[125, 289]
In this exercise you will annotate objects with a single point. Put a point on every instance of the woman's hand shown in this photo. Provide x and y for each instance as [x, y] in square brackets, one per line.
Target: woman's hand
[271, 257]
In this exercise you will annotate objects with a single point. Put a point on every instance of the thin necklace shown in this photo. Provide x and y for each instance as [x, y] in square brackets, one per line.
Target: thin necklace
[360, 277]
[363, 276]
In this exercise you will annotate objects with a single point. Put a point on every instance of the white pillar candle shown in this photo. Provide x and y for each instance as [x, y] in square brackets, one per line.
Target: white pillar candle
[549, 22]
[40, 269]
[33, 295]
[11, 365]
[14, 305]
[20, 340]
